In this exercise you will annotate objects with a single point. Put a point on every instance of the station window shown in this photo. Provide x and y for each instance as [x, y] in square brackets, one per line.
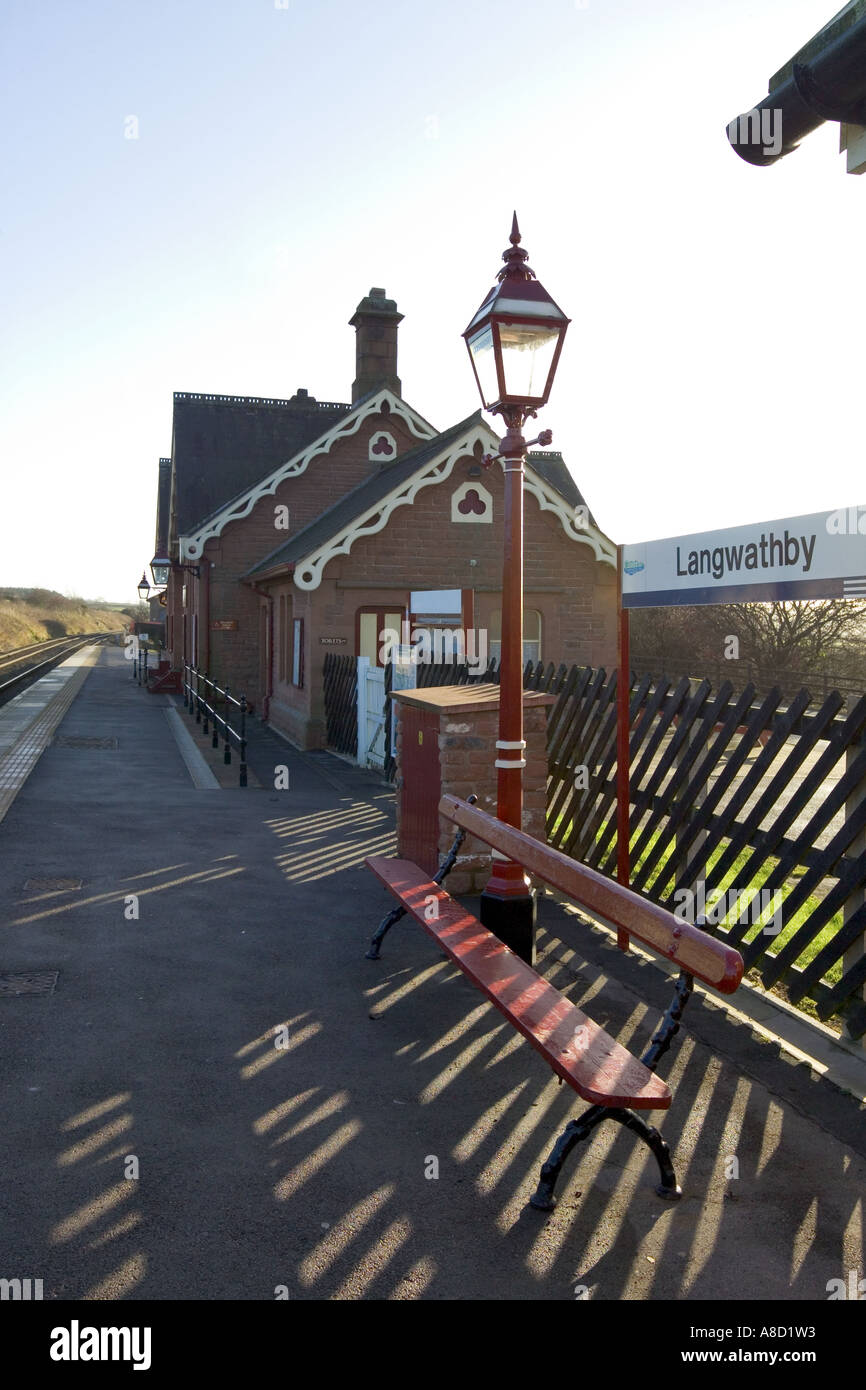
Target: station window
[282, 643]
[298, 652]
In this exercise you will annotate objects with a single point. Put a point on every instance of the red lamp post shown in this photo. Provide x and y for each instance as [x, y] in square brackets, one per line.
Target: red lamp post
[514, 342]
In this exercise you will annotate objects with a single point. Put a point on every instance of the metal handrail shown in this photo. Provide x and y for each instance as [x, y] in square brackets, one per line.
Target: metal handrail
[139, 666]
[197, 685]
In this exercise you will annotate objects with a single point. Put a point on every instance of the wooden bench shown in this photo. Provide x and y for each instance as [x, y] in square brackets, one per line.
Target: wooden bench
[599, 1069]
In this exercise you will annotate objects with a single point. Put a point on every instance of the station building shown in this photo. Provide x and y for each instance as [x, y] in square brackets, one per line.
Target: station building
[300, 527]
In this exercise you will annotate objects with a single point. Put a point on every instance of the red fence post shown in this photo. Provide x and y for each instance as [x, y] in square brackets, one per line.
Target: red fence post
[623, 792]
[855, 902]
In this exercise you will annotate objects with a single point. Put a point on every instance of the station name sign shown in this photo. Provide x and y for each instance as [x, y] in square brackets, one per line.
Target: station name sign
[822, 555]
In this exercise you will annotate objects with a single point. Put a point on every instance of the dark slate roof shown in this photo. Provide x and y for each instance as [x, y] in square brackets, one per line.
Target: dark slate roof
[224, 445]
[361, 498]
[239, 496]
[163, 500]
[551, 467]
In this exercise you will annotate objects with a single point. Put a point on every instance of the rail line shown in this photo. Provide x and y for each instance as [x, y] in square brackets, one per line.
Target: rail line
[61, 647]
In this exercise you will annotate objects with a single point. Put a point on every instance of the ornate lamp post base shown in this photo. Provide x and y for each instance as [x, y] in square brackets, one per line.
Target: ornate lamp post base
[511, 917]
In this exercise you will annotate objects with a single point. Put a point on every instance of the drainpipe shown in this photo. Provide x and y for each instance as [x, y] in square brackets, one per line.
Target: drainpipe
[269, 678]
[205, 606]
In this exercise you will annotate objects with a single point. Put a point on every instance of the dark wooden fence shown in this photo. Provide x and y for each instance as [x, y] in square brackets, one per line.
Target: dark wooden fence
[341, 703]
[732, 794]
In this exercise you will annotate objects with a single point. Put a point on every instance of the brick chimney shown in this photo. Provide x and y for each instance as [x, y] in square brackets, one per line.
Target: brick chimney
[375, 323]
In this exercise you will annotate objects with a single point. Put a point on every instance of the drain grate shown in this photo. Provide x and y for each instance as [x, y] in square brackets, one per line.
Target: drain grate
[29, 982]
[52, 885]
[74, 741]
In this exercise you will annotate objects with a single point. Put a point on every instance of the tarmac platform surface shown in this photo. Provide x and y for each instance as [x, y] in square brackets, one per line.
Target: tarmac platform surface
[218, 1097]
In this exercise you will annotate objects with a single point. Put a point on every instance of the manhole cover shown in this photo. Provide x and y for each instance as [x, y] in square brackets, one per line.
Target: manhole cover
[29, 982]
[73, 741]
[51, 885]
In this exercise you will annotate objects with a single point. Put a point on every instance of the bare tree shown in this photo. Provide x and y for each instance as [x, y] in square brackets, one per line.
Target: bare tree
[776, 643]
[799, 635]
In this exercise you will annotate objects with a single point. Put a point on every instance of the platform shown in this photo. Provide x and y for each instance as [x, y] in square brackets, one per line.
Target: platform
[28, 722]
[192, 995]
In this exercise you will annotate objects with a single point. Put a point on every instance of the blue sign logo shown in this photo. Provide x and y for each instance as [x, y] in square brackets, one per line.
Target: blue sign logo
[633, 566]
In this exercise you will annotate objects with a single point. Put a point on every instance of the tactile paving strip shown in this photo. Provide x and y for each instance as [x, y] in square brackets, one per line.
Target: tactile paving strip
[18, 763]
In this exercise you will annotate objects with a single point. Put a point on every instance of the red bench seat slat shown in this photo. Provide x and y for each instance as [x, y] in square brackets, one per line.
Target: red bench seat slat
[578, 1050]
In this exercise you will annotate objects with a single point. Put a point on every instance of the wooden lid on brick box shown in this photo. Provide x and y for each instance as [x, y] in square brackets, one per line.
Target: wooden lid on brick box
[463, 699]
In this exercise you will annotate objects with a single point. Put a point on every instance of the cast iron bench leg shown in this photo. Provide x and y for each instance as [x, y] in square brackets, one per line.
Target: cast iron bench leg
[576, 1130]
[668, 1187]
[439, 877]
[382, 931]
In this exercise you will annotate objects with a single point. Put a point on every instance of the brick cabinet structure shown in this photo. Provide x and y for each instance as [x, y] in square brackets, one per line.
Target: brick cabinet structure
[320, 526]
[446, 737]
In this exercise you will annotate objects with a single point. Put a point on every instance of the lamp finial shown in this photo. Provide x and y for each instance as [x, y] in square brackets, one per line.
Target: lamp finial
[515, 258]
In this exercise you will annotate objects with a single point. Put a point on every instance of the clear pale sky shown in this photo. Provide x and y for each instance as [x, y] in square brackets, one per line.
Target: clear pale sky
[290, 157]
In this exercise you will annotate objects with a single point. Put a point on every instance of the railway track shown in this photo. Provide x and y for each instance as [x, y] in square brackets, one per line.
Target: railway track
[36, 659]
